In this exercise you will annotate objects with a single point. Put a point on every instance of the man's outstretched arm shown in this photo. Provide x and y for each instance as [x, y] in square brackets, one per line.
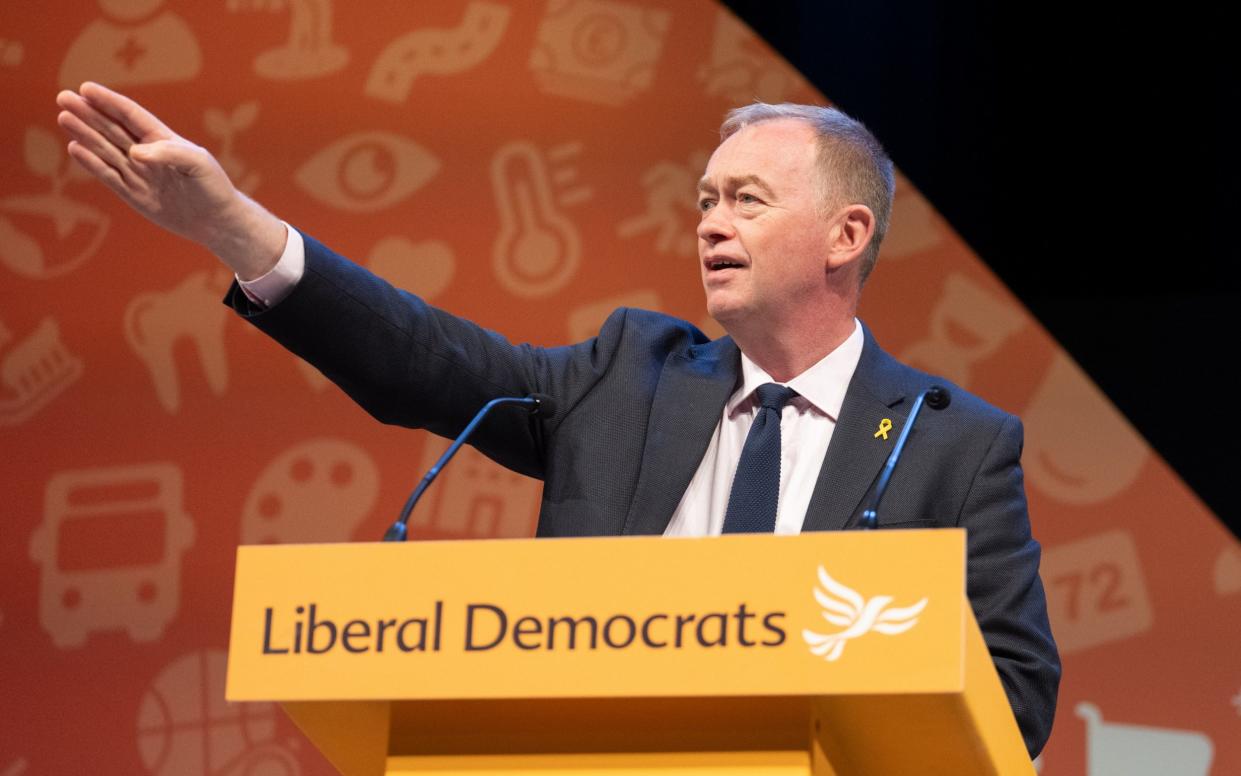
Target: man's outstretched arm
[176, 184]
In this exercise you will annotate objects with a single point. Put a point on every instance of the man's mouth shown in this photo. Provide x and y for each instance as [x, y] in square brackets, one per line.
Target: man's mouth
[716, 264]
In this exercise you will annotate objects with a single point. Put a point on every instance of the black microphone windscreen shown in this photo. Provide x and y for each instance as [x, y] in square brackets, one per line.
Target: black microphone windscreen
[546, 405]
[938, 397]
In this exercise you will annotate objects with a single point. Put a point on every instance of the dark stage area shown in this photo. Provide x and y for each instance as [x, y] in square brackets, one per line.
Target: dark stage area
[1090, 159]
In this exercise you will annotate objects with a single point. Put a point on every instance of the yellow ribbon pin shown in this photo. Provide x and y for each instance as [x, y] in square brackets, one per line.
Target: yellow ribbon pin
[885, 426]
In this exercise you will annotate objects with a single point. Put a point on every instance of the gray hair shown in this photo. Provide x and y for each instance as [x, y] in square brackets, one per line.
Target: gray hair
[853, 166]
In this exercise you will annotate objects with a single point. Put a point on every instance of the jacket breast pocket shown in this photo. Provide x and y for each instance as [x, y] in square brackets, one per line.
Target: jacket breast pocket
[898, 522]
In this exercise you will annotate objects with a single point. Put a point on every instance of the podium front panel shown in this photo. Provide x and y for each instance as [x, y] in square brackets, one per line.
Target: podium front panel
[817, 614]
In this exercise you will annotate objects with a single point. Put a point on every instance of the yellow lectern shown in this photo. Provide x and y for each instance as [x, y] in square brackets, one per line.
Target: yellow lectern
[826, 653]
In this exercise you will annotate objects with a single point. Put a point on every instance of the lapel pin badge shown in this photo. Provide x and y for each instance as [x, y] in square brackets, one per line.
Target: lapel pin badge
[885, 426]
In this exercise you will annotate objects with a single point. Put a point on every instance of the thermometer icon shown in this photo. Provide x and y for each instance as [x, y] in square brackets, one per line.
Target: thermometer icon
[538, 249]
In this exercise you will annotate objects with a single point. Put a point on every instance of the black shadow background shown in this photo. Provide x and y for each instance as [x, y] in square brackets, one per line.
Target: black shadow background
[1090, 157]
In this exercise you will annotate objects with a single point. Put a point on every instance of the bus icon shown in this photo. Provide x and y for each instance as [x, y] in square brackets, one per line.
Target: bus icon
[110, 548]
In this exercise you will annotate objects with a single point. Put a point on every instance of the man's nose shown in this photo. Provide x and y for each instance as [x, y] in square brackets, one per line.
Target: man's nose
[715, 226]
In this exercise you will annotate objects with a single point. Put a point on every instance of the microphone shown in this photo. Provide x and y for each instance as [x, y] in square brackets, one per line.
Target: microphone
[937, 398]
[535, 404]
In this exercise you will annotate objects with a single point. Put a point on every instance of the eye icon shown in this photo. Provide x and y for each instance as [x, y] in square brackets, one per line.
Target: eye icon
[367, 171]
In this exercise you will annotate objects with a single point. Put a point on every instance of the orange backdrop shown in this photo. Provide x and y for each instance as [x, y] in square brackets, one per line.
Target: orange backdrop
[529, 165]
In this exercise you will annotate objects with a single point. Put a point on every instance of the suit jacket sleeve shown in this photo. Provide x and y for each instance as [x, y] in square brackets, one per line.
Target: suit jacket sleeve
[1004, 586]
[411, 364]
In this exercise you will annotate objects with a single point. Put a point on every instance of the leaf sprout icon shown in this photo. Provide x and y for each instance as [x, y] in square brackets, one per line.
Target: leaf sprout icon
[77, 229]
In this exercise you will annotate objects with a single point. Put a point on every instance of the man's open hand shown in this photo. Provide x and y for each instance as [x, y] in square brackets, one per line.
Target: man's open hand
[173, 182]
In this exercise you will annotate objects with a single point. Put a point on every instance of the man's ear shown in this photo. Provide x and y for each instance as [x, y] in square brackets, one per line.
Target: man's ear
[851, 230]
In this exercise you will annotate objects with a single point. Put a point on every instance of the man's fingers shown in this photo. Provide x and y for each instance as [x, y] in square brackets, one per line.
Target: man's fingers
[97, 167]
[179, 155]
[95, 144]
[87, 114]
[137, 120]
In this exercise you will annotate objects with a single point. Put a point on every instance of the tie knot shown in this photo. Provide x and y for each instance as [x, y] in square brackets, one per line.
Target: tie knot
[773, 397]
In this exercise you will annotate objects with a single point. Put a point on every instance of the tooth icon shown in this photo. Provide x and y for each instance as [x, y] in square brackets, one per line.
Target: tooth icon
[155, 322]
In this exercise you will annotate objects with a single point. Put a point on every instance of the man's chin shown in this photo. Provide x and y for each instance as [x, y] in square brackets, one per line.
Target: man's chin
[723, 312]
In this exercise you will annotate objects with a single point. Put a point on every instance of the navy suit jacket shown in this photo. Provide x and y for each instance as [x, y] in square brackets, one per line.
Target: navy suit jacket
[635, 408]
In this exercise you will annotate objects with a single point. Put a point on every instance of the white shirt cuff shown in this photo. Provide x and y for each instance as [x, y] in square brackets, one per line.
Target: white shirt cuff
[268, 290]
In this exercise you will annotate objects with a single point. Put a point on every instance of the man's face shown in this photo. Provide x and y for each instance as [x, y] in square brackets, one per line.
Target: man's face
[763, 236]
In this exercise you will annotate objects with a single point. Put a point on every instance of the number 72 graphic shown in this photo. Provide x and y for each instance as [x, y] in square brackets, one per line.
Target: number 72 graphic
[1096, 592]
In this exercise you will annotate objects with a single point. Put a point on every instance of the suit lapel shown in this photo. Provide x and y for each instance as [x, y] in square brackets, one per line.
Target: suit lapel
[856, 454]
[689, 401]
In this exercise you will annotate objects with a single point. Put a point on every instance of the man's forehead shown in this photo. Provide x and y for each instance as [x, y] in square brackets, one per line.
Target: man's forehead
[783, 133]
[706, 183]
[769, 152]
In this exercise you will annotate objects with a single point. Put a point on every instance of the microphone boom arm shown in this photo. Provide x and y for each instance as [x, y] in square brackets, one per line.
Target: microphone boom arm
[398, 530]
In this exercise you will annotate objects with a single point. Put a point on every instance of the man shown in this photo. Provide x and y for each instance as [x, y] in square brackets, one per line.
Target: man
[655, 429]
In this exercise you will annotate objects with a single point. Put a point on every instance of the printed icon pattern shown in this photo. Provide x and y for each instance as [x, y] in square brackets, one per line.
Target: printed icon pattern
[186, 728]
[473, 498]
[539, 247]
[111, 549]
[15, 768]
[367, 171]
[225, 126]
[436, 51]
[1096, 592]
[11, 52]
[740, 69]
[33, 371]
[1067, 418]
[671, 214]
[135, 43]
[585, 322]
[1228, 571]
[316, 491]
[531, 166]
[424, 268]
[967, 325]
[45, 236]
[1114, 749]
[156, 322]
[309, 51]
[601, 51]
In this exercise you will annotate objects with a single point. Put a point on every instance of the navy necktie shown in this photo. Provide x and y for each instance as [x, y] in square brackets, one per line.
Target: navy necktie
[756, 486]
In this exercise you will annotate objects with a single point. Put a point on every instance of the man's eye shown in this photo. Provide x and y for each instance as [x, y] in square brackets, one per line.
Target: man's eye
[747, 198]
[706, 204]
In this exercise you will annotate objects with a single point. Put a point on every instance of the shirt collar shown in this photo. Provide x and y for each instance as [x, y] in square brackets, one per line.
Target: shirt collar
[822, 386]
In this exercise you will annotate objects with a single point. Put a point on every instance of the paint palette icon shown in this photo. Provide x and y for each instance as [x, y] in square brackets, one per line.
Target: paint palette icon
[316, 491]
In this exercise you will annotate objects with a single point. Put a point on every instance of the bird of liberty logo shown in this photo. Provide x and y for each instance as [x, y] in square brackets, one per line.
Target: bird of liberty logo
[845, 608]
